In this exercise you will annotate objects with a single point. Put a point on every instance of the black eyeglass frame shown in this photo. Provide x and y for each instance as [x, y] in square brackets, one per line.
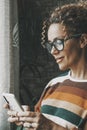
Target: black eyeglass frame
[55, 43]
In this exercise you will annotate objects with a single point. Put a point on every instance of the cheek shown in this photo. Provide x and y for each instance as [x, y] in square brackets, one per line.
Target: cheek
[72, 47]
[72, 53]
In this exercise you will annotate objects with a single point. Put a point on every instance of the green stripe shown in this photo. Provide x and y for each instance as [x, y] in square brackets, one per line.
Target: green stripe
[62, 113]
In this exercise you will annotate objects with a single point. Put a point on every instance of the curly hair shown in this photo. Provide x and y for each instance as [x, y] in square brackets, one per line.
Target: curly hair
[72, 16]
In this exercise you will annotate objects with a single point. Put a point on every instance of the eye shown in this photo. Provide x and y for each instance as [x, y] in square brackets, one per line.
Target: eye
[59, 44]
[59, 41]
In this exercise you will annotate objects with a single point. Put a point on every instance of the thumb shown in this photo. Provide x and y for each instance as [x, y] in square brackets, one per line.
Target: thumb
[26, 107]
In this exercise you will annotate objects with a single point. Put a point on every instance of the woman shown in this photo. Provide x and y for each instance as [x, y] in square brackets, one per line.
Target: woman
[63, 103]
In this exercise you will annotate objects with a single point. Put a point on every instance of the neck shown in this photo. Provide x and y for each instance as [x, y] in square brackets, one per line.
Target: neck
[79, 72]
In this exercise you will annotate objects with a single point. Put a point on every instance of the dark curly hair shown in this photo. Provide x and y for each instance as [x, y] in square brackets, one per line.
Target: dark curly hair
[72, 16]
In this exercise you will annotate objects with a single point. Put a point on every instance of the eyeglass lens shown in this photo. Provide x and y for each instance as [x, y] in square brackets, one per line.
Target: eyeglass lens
[58, 44]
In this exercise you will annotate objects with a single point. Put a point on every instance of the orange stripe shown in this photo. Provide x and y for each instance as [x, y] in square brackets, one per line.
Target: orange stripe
[68, 97]
[76, 91]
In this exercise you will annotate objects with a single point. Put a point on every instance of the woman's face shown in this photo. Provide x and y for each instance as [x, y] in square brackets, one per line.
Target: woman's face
[69, 57]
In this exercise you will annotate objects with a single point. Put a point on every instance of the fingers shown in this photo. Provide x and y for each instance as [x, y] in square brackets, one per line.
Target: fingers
[12, 113]
[15, 113]
[30, 125]
[26, 118]
[26, 107]
[13, 119]
[28, 114]
[12, 116]
[29, 119]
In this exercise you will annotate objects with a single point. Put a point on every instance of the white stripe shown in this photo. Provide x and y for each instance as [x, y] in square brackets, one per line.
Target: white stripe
[57, 80]
[76, 80]
[60, 121]
[66, 105]
[62, 78]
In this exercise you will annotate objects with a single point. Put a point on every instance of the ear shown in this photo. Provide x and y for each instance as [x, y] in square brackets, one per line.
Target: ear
[83, 40]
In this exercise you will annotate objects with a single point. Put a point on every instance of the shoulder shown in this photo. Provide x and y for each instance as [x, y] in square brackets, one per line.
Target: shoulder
[58, 79]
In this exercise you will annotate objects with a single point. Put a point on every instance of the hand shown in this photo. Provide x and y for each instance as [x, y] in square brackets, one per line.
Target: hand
[36, 121]
[32, 120]
[13, 115]
[29, 119]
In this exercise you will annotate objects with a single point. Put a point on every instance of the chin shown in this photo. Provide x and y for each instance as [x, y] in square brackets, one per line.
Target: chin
[63, 67]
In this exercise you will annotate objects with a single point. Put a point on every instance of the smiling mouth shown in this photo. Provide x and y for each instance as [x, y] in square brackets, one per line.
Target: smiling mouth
[58, 60]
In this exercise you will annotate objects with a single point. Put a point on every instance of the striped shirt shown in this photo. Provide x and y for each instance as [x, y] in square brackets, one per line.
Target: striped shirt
[65, 103]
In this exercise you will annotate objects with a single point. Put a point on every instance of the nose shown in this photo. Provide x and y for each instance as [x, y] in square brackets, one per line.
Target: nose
[54, 51]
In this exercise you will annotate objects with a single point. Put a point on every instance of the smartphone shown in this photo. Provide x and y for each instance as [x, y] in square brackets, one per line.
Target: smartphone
[12, 101]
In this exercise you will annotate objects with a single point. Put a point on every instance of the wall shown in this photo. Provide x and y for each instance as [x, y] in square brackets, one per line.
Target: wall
[4, 58]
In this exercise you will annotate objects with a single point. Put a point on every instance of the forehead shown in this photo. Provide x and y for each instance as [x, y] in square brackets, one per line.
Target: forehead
[56, 30]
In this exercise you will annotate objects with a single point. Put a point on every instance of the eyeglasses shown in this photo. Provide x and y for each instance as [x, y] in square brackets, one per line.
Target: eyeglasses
[59, 43]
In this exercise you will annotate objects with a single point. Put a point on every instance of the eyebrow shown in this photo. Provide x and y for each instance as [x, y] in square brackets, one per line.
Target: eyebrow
[56, 38]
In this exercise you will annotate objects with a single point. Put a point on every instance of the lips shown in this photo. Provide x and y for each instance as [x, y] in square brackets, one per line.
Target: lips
[59, 59]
